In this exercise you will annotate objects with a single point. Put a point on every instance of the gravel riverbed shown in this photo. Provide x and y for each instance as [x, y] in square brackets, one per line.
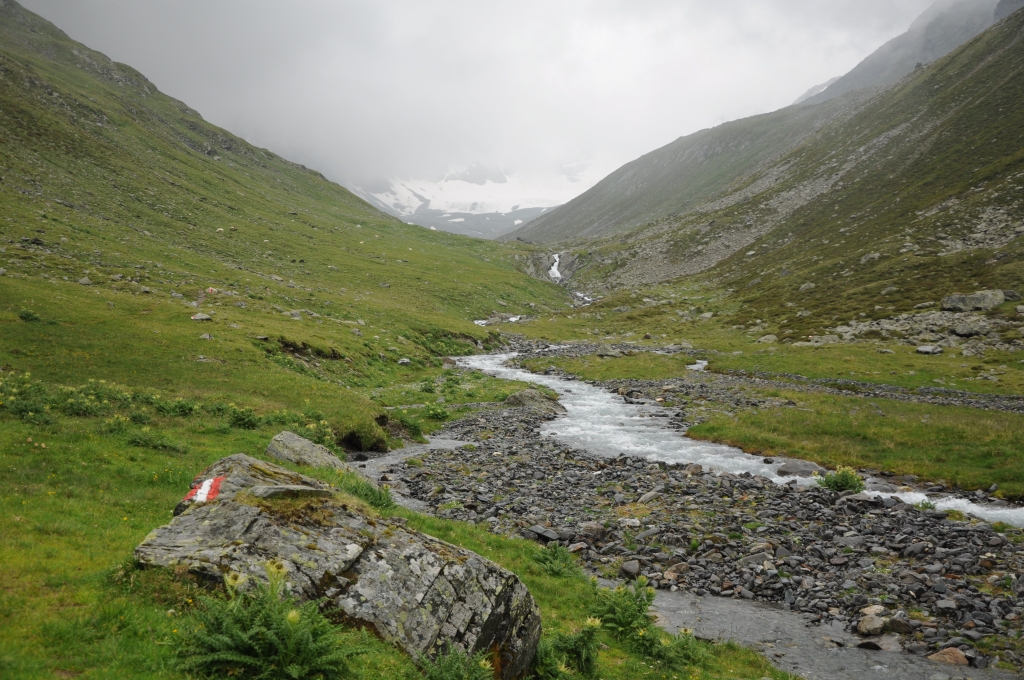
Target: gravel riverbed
[892, 576]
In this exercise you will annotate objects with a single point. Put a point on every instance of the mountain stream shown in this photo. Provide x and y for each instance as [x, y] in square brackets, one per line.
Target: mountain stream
[603, 424]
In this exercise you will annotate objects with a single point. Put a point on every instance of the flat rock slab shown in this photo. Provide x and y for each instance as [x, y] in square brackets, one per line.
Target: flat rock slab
[417, 592]
[295, 449]
[784, 638]
[800, 468]
[289, 491]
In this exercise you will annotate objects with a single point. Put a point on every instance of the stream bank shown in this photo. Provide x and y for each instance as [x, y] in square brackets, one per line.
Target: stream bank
[741, 537]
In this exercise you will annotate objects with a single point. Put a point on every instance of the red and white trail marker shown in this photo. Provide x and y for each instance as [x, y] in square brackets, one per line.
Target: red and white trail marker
[206, 491]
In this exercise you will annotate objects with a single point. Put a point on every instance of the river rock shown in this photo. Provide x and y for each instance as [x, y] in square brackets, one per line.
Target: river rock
[535, 400]
[413, 590]
[872, 624]
[295, 449]
[950, 655]
[800, 468]
[979, 301]
[630, 568]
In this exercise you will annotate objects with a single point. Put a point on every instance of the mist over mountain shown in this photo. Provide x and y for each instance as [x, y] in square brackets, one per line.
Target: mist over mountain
[938, 31]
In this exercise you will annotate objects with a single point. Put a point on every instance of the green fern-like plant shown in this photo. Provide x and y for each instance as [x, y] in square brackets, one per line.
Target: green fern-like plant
[555, 560]
[624, 611]
[454, 665]
[262, 634]
[569, 653]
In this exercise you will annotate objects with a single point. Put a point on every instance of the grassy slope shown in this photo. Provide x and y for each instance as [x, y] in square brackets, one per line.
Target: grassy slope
[114, 178]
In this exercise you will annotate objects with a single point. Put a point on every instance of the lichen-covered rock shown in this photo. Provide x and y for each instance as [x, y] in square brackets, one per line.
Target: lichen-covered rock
[295, 449]
[420, 593]
[979, 301]
[535, 400]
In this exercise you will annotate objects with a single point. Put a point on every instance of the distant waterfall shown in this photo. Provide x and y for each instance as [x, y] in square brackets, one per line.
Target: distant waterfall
[553, 272]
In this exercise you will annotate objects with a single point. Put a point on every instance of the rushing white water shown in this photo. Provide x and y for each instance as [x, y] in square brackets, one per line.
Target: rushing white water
[553, 272]
[603, 424]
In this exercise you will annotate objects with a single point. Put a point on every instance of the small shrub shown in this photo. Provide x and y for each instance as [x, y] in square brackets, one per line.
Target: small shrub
[843, 479]
[312, 415]
[217, 408]
[555, 560]
[924, 505]
[457, 666]
[29, 316]
[146, 439]
[244, 419]
[573, 652]
[179, 407]
[140, 417]
[427, 387]
[115, 425]
[365, 436]
[278, 418]
[437, 412]
[625, 610]
[263, 634]
[31, 410]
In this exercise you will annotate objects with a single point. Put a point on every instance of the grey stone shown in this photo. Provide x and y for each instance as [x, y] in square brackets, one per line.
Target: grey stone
[85, 281]
[544, 532]
[756, 558]
[419, 593]
[945, 605]
[206, 336]
[404, 361]
[630, 568]
[643, 535]
[799, 468]
[982, 300]
[607, 352]
[768, 339]
[872, 624]
[929, 349]
[295, 449]
[289, 491]
[806, 287]
[535, 400]
[648, 497]
[592, 530]
[201, 317]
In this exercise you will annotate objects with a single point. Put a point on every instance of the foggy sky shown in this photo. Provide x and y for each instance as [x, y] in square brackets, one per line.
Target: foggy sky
[412, 88]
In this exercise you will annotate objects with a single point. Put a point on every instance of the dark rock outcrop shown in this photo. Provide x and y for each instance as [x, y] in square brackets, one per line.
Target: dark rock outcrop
[420, 593]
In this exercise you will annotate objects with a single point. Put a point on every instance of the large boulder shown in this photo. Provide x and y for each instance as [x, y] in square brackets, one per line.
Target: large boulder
[295, 449]
[415, 591]
[800, 468]
[535, 400]
[979, 301]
